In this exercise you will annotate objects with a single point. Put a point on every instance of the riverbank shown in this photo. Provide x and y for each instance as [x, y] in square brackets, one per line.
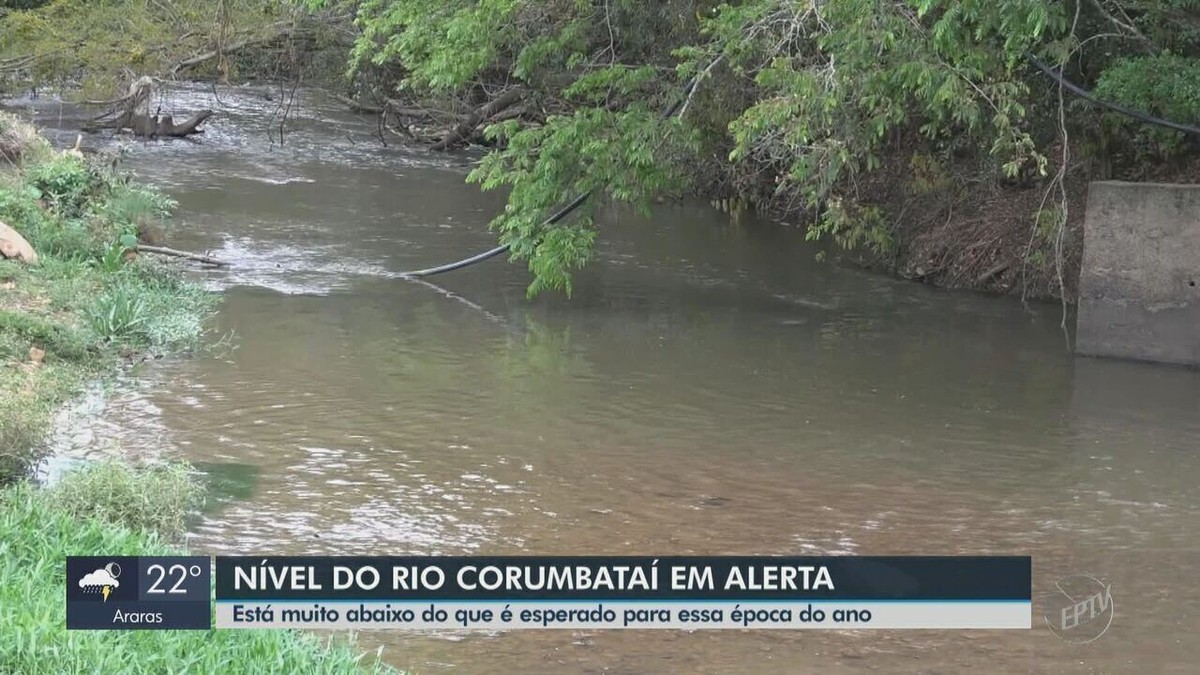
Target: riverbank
[87, 306]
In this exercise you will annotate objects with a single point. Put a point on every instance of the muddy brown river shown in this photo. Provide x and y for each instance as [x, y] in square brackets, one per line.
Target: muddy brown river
[710, 389]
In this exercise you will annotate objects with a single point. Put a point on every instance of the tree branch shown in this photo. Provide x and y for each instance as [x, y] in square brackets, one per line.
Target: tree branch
[284, 30]
[163, 250]
[1147, 45]
[696, 85]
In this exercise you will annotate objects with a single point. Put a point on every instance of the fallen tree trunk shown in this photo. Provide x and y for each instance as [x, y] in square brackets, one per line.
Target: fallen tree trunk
[463, 131]
[166, 125]
[134, 114]
[135, 101]
[163, 250]
[152, 126]
[510, 114]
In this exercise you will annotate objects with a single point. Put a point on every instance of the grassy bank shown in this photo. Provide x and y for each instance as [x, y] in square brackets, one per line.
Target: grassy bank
[38, 527]
[88, 307]
[88, 304]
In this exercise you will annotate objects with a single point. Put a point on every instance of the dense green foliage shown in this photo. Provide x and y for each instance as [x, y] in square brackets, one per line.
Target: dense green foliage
[800, 105]
[797, 103]
[1166, 85]
[95, 45]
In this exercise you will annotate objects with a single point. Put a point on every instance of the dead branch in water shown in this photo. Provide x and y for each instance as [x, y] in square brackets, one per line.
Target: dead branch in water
[154, 126]
[462, 133]
[133, 112]
[436, 128]
[392, 107]
[356, 106]
[163, 250]
[166, 127]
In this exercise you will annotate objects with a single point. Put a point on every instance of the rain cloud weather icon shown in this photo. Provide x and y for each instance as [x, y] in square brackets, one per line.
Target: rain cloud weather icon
[102, 580]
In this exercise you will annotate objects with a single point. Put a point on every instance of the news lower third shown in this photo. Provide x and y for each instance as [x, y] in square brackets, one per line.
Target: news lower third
[546, 592]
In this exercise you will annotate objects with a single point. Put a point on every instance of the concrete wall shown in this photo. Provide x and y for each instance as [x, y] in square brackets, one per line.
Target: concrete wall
[1139, 287]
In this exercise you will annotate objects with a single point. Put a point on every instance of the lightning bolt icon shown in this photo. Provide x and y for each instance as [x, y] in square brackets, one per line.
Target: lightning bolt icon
[105, 592]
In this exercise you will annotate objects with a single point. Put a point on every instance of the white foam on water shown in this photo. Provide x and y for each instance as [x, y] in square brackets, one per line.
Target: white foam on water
[292, 270]
[275, 181]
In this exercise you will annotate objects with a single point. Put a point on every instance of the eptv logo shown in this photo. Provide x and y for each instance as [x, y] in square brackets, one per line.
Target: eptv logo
[1080, 609]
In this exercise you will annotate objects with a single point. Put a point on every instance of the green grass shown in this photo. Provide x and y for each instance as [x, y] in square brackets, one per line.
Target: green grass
[36, 535]
[20, 331]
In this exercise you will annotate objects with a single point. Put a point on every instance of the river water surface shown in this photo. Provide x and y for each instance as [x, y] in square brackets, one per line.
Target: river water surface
[710, 389]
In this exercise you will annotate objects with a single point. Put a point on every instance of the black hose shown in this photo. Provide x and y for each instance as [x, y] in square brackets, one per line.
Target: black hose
[467, 262]
[556, 217]
[1085, 94]
[450, 267]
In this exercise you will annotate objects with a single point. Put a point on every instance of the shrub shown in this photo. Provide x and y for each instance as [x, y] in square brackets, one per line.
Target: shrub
[178, 308]
[46, 232]
[64, 182]
[18, 139]
[134, 206]
[1167, 86]
[153, 499]
[119, 315]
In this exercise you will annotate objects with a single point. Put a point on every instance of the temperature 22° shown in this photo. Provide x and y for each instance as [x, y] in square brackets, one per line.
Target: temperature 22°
[177, 572]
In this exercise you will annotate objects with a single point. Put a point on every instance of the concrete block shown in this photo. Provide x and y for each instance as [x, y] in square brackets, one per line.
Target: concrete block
[1139, 285]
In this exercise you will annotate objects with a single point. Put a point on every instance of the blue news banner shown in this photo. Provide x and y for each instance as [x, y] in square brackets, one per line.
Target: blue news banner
[541, 592]
[688, 593]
